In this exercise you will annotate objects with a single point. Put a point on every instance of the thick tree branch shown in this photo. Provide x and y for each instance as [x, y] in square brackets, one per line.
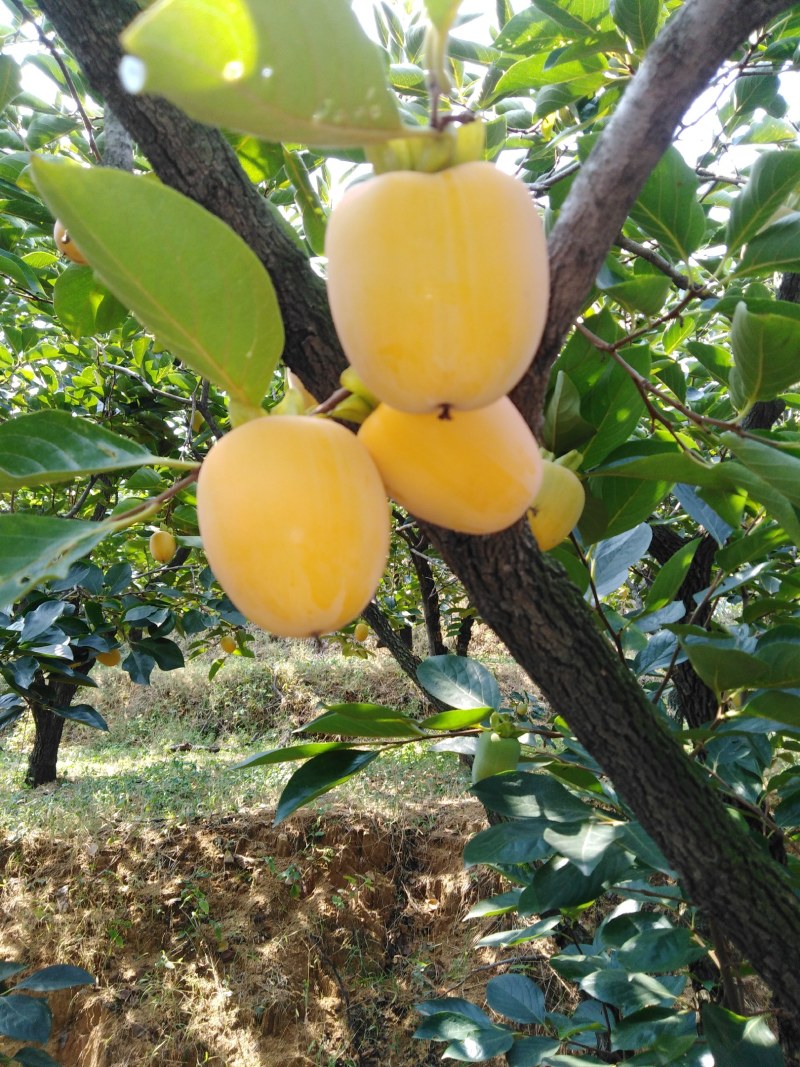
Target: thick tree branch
[676, 69]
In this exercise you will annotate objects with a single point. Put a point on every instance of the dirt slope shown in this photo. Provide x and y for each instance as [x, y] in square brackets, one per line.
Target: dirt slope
[228, 942]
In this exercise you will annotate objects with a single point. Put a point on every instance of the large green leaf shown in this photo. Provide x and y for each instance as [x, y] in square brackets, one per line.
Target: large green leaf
[722, 665]
[270, 69]
[765, 338]
[54, 446]
[9, 81]
[442, 13]
[774, 465]
[289, 754]
[737, 1041]
[84, 305]
[318, 776]
[774, 176]
[18, 271]
[775, 249]
[516, 997]
[363, 720]
[520, 795]
[638, 19]
[668, 209]
[508, 843]
[582, 76]
[181, 270]
[462, 683]
[36, 547]
[59, 976]
[24, 1018]
[669, 578]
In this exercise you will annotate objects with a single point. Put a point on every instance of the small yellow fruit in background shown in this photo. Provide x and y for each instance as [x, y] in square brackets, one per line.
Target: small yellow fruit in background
[294, 522]
[228, 643]
[66, 245]
[109, 659]
[438, 285]
[197, 422]
[162, 546]
[361, 632]
[475, 472]
[557, 506]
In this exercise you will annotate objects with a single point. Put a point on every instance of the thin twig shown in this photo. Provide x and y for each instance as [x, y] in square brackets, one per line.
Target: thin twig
[599, 607]
[51, 48]
[664, 265]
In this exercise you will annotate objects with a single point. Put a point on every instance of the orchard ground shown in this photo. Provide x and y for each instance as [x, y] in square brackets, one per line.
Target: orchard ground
[216, 938]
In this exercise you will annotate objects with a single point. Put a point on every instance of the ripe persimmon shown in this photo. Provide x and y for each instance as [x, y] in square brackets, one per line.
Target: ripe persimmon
[438, 285]
[557, 506]
[294, 522]
[475, 471]
[66, 245]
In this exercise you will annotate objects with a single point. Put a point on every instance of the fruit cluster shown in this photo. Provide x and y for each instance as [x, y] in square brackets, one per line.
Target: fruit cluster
[438, 286]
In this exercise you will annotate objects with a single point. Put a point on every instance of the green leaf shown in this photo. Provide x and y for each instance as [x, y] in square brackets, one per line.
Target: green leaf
[582, 77]
[631, 991]
[9, 81]
[736, 1041]
[722, 665]
[637, 19]
[272, 70]
[14, 268]
[457, 719]
[363, 720]
[775, 175]
[774, 465]
[25, 1018]
[564, 426]
[54, 446]
[59, 976]
[516, 997]
[775, 249]
[661, 1029]
[34, 1057]
[776, 704]
[508, 843]
[577, 17]
[737, 476]
[669, 578]
[584, 844]
[765, 338]
[84, 714]
[220, 316]
[531, 1051]
[36, 547]
[530, 796]
[319, 775]
[668, 209]
[481, 1046]
[85, 306]
[287, 755]
[559, 883]
[462, 683]
[614, 405]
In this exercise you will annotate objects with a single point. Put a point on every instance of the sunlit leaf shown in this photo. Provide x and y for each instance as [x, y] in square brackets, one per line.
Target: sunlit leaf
[774, 176]
[273, 70]
[221, 317]
[319, 775]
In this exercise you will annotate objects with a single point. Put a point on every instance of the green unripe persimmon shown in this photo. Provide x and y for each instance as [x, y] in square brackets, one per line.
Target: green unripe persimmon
[494, 754]
[557, 506]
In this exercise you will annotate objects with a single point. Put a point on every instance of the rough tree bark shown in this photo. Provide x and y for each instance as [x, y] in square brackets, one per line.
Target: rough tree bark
[525, 597]
[43, 757]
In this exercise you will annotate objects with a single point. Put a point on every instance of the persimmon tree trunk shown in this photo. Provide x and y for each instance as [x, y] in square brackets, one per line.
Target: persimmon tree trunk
[525, 597]
[48, 727]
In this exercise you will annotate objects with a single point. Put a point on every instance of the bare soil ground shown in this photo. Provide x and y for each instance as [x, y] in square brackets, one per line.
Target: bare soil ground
[229, 942]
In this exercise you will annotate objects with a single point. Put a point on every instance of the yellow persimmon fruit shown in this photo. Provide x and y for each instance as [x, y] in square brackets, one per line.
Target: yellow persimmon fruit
[66, 245]
[109, 659]
[557, 506]
[294, 522]
[438, 285]
[228, 643]
[361, 632]
[475, 472]
[162, 546]
[197, 422]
